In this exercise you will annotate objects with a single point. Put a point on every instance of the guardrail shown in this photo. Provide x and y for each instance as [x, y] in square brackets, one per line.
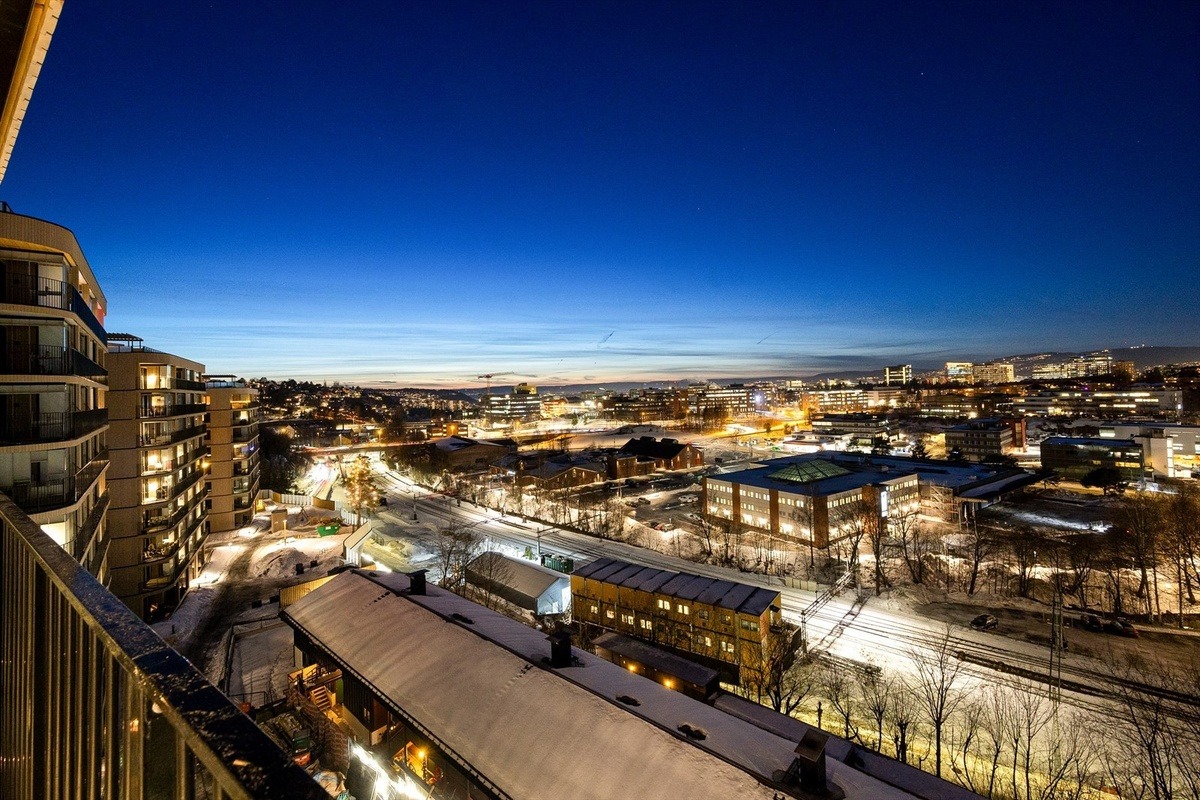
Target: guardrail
[96, 705]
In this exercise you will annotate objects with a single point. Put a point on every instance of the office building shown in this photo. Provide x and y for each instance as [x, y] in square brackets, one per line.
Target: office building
[1150, 402]
[232, 441]
[815, 499]
[156, 440]
[865, 430]
[1075, 457]
[1169, 450]
[729, 402]
[522, 405]
[980, 438]
[898, 375]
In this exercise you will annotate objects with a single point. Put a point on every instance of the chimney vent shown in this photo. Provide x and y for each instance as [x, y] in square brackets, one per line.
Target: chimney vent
[416, 581]
[560, 649]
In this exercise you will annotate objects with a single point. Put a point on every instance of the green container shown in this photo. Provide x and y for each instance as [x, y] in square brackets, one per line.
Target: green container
[328, 530]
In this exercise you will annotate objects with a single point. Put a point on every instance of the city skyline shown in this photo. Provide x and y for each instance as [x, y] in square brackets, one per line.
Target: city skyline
[421, 196]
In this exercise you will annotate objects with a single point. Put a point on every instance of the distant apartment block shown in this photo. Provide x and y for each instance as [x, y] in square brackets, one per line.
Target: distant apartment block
[959, 371]
[648, 404]
[1075, 457]
[836, 400]
[157, 519]
[734, 400]
[232, 440]
[980, 438]
[53, 386]
[1077, 367]
[724, 623]
[1148, 402]
[995, 372]
[898, 375]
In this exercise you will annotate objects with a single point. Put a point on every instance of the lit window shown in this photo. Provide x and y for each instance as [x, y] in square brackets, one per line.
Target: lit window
[610, 614]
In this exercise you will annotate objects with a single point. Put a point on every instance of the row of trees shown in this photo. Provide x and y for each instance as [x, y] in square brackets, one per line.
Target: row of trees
[1001, 740]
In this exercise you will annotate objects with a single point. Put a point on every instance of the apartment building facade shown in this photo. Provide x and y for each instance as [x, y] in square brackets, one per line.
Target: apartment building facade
[157, 518]
[724, 623]
[233, 459]
[53, 386]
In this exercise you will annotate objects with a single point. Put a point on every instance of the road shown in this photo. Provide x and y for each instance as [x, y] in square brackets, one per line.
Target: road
[845, 627]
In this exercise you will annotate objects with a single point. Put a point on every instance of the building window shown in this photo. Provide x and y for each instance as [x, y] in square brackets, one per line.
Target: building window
[610, 614]
[682, 609]
[726, 647]
[665, 605]
[750, 625]
[703, 615]
[708, 641]
[595, 609]
[646, 624]
[627, 619]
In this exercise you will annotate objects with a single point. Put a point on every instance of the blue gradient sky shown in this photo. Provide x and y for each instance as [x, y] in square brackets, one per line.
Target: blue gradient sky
[422, 192]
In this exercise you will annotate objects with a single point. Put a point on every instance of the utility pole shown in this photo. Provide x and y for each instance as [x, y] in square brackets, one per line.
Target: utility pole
[1057, 646]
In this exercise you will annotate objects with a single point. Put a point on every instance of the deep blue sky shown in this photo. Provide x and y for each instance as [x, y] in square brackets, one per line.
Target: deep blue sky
[422, 192]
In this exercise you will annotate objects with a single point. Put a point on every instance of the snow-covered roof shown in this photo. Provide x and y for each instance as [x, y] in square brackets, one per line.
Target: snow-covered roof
[722, 594]
[525, 580]
[481, 684]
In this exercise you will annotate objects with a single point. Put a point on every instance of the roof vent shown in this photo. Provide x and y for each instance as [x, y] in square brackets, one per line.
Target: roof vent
[692, 733]
[462, 618]
[627, 700]
[416, 581]
[560, 649]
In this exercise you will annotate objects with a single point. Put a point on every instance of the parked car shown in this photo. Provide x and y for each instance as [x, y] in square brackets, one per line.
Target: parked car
[1121, 627]
[1090, 622]
[984, 622]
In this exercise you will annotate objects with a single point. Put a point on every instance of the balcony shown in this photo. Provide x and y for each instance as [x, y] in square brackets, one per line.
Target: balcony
[55, 426]
[17, 358]
[245, 434]
[126, 716]
[173, 437]
[80, 308]
[51, 493]
[194, 386]
[33, 290]
[179, 410]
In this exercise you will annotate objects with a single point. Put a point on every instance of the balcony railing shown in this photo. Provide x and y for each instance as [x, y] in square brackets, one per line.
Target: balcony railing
[33, 290]
[184, 383]
[45, 495]
[17, 358]
[53, 426]
[173, 410]
[81, 309]
[171, 438]
[96, 705]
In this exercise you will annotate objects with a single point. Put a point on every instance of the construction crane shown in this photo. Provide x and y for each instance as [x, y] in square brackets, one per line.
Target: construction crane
[488, 377]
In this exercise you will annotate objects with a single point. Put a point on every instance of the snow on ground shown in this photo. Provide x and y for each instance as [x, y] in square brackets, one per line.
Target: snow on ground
[260, 662]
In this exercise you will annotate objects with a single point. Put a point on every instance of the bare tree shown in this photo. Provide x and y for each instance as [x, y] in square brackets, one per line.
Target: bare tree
[903, 713]
[938, 672]
[456, 545]
[1142, 516]
[980, 546]
[877, 698]
[915, 542]
[773, 675]
[840, 687]
[855, 521]
[488, 572]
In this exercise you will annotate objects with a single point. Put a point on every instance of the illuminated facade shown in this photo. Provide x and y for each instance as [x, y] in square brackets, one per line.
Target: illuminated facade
[809, 499]
[728, 623]
[157, 518]
[232, 440]
[1074, 457]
